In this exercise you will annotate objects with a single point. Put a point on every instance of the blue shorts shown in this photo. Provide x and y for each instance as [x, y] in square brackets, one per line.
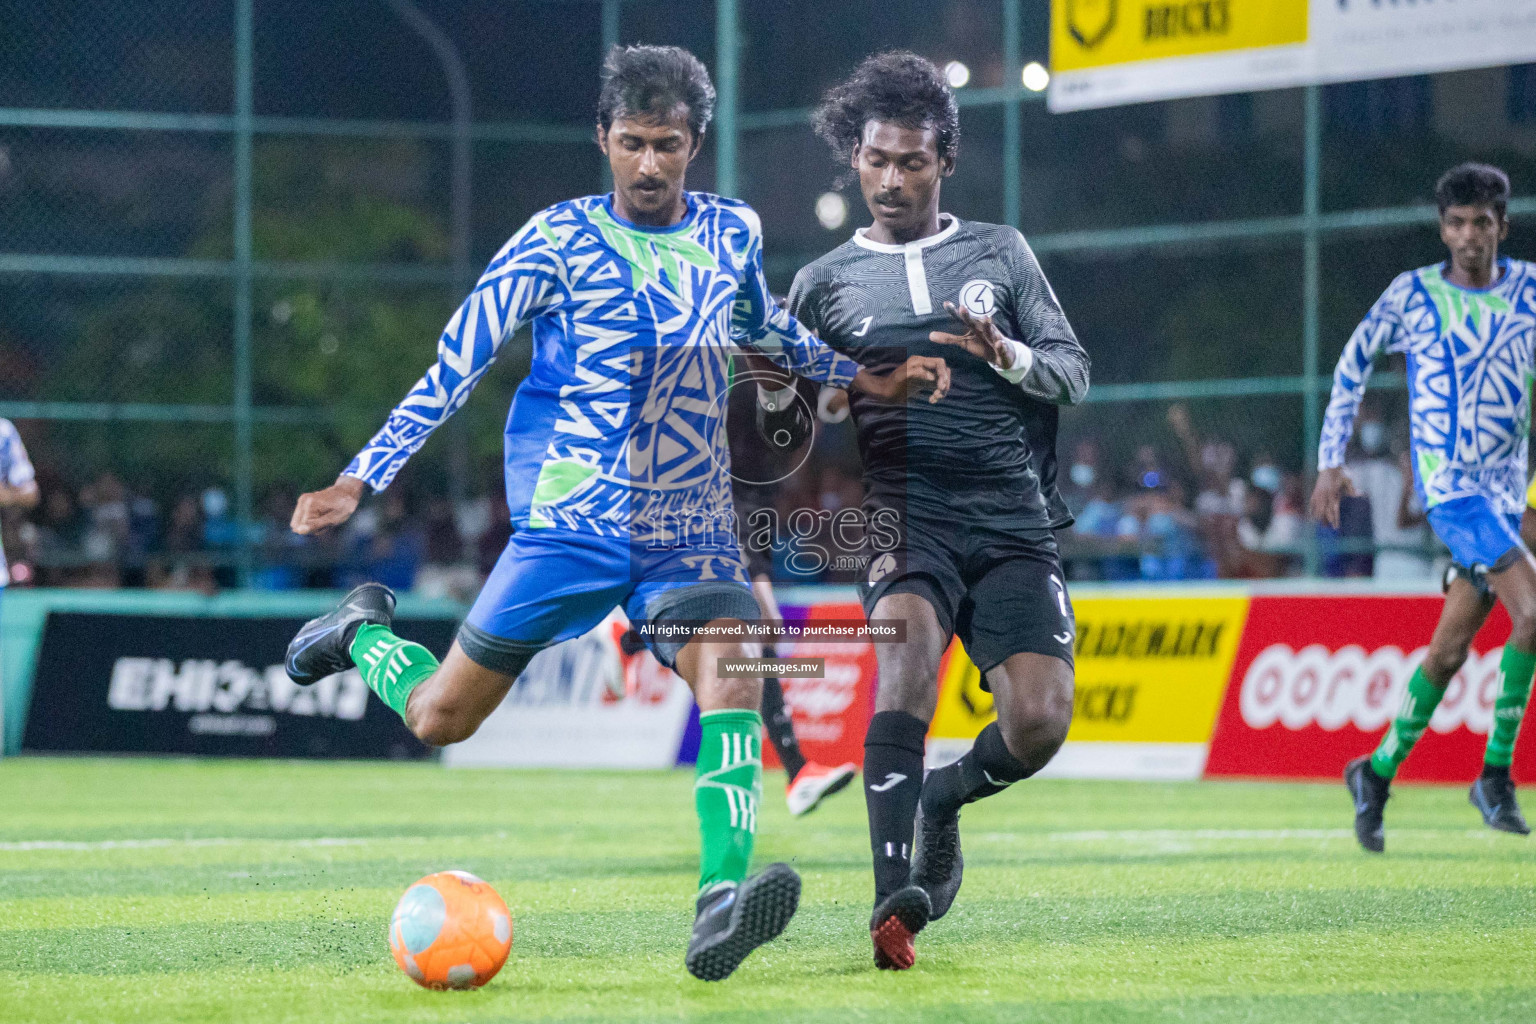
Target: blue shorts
[1479, 537]
[551, 585]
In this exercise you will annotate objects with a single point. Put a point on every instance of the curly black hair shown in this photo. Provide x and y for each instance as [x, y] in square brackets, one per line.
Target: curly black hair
[1473, 185]
[897, 86]
[654, 80]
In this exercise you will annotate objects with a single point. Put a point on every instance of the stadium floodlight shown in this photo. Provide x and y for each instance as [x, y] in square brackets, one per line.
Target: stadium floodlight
[1036, 77]
[831, 210]
[956, 74]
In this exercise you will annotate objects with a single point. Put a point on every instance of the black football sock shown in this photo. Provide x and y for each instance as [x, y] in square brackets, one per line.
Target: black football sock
[893, 778]
[780, 723]
[987, 768]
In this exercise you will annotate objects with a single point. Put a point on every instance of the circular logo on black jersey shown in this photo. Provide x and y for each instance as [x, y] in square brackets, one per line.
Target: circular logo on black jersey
[978, 297]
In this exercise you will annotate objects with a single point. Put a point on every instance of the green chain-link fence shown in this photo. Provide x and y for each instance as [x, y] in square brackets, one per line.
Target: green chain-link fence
[233, 229]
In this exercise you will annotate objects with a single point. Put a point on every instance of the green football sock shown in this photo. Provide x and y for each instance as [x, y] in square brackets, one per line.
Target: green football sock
[390, 666]
[726, 792]
[1515, 670]
[1419, 704]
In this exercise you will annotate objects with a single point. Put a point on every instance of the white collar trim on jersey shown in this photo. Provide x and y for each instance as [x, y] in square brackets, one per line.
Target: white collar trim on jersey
[944, 232]
[912, 255]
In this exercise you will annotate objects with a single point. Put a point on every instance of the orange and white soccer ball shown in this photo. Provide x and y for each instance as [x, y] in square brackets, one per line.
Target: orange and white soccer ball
[451, 930]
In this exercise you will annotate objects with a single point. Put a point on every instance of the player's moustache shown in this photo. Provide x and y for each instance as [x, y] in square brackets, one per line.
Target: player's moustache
[888, 199]
[650, 183]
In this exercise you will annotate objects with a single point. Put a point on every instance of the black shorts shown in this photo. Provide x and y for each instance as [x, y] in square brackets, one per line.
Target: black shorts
[1001, 592]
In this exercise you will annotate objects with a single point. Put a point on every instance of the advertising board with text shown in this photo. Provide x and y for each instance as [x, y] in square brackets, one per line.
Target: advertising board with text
[1108, 52]
[204, 685]
[1151, 672]
[831, 713]
[590, 703]
[1317, 680]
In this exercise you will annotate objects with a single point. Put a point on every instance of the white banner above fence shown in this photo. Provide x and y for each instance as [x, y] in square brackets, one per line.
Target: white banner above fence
[1110, 52]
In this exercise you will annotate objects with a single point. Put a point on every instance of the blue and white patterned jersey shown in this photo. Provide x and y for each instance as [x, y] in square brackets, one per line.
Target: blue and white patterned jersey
[1471, 358]
[619, 428]
[16, 471]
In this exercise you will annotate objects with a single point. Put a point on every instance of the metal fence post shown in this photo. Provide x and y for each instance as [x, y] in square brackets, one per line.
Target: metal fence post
[727, 42]
[461, 209]
[1013, 114]
[244, 458]
[1310, 312]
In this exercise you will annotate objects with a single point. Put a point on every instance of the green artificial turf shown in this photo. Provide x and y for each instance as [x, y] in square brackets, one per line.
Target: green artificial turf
[163, 891]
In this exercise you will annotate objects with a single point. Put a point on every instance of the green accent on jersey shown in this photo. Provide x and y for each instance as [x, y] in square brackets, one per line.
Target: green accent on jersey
[558, 480]
[653, 256]
[1457, 306]
[545, 231]
[1429, 465]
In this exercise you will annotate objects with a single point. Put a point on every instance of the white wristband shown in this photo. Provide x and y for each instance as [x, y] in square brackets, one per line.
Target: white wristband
[823, 406]
[1022, 358]
[773, 401]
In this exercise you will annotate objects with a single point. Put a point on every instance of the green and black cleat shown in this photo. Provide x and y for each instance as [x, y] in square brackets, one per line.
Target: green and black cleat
[937, 864]
[732, 921]
[322, 647]
[1370, 793]
[1494, 797]
[895, 923]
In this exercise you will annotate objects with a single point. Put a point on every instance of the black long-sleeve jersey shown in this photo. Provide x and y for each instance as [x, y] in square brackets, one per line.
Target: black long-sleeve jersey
[986, 452]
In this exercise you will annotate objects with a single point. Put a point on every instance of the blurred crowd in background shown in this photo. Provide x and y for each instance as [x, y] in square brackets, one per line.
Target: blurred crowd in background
[1193, 508]
[1209, 511]
[106, 535]
[139, 373]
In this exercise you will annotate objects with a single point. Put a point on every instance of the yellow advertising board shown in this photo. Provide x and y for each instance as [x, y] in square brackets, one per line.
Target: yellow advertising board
[1108, 52]
[1149, 670]
[1099, 33]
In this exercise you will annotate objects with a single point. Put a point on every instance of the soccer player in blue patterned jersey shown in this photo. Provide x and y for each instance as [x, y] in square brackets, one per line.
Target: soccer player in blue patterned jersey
[617, 469]
[1468, 330]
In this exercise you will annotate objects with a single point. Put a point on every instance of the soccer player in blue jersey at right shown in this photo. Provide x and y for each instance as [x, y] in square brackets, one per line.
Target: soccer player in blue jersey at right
[1468, 329]
[618, 473]
[18, 482]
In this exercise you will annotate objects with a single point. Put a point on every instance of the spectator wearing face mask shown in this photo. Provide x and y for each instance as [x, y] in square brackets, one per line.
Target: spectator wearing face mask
[1384, 478]
[1084, 475]
[1159, 518]
[1265, 474]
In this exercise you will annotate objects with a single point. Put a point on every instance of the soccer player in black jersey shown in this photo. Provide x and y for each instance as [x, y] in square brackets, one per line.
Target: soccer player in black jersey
[971, 480]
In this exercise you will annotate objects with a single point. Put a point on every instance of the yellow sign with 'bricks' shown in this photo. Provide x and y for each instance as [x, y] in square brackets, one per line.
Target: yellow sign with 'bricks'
[1101, 33]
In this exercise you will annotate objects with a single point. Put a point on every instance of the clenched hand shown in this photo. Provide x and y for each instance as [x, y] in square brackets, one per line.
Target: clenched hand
[321, 510]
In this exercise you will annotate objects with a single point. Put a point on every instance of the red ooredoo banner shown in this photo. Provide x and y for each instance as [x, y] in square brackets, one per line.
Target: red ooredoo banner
[831, 713]
[1318, 679]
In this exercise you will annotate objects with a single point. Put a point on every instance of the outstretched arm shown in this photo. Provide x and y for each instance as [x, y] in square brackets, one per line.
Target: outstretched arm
[523, 278]
[18, 480]
[1377, 334]
[760, 324]
[767, 328]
